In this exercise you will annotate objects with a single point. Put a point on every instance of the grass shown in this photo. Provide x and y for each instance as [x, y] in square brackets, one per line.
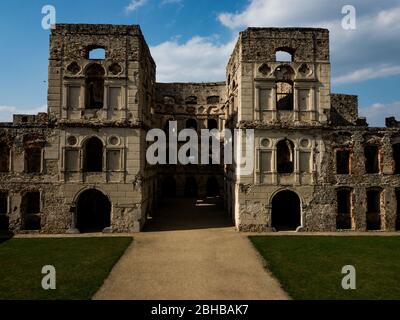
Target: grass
[309, 267]
[82, 264]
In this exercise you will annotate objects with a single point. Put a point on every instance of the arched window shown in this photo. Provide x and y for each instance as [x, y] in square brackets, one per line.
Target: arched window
[284, 95]
[284, 55]
[285, 156]
[94, 87]
[96, 53]
[212, 124]
[191, 124]
[93, 155]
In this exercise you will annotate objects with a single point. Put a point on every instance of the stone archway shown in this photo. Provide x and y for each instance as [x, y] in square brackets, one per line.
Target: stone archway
[93, 211]
[286, 211]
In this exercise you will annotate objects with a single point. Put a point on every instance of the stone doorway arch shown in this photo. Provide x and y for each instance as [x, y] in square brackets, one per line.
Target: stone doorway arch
[93, 211]
[286, 211]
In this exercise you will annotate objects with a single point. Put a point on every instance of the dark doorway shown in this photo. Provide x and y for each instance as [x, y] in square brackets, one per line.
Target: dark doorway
[168, 187]
[93, 211]
[190, 187]
[343, 162]
[286, 213]
[212, 187]
[191, 124]
[93, 155]
[373, 210]
[30, 211]
[343, 218]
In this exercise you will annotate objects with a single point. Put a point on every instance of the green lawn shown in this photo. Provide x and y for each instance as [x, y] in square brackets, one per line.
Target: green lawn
[81, 265]
[309, 267]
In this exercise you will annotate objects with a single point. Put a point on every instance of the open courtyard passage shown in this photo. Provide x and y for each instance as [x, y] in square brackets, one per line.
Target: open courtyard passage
[189, 213]
[309, 267]
[81, 266]
[190, 251]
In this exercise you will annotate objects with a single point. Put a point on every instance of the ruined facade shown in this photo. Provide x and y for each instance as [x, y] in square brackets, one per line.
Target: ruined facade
[82, 166]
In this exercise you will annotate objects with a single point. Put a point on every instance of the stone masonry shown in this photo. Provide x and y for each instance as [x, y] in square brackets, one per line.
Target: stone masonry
[82, 166]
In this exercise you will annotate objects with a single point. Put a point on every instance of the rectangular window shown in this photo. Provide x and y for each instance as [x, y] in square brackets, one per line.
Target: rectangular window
[265, 161]
[342, 161]
[114, 97]
[304, 99]
[371, 159]
[263, 99]
[72, 160]
[33, 160]
[305, 162]
[74, 93]
[113, 160]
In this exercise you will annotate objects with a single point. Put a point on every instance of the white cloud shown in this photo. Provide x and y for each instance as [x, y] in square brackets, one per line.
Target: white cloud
[372, 50]
[198, 59]
[368, 74]
[134, 5]
[377, 112]
[6, 112]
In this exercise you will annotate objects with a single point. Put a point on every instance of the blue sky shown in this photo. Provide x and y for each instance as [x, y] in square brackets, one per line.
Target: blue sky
[192, 40]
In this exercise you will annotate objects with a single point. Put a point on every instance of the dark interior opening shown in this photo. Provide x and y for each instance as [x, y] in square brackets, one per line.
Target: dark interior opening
[212, 187]
[169, 187]
[4, 158]
[30, 211]
[33, 159]
[95, 87]
[212, 124]
[371, 159]
[343, 162]
[93, 155]
[191, 124]
[373, 210]
[343, 218]
[4, 220]
[286, 211]
[93, 211]
[396, 158]
[190, 187]
[285, 156]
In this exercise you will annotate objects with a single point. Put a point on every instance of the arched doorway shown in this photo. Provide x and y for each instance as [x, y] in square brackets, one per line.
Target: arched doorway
[286, 212]
[93, 211]
[212, 187]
